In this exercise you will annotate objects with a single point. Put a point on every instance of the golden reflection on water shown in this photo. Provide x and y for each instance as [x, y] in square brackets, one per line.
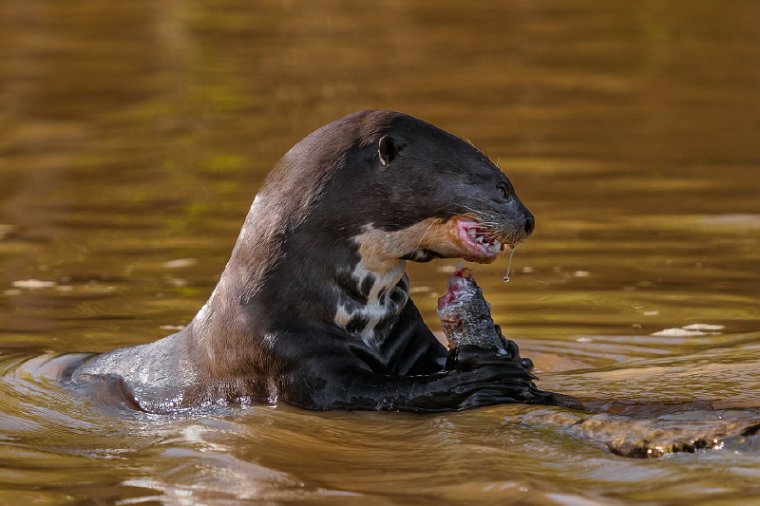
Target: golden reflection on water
[135, 134]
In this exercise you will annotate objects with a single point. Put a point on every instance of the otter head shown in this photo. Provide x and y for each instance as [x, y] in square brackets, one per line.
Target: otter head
[348, 204]
[421, 193]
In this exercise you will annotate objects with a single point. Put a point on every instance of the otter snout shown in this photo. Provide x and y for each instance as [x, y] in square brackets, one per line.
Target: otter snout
[520, 223]
[530, 223]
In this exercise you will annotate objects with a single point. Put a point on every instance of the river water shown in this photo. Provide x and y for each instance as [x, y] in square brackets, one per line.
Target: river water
[135, 134]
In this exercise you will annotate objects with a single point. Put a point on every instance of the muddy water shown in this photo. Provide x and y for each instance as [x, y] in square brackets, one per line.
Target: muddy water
[135, 134]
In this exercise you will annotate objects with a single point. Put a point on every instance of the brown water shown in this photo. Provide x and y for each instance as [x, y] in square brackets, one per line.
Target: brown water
[133, 136]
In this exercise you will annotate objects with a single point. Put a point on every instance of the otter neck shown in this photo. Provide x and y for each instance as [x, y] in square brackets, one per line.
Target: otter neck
[370, 299]
[216, 331]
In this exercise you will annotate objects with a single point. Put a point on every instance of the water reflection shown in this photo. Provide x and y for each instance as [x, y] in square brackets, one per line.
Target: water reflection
[134, 136]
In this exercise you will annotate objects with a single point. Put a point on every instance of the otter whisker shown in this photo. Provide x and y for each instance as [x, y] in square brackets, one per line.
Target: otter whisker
[435, 233]
[422, 238]
[478, 214]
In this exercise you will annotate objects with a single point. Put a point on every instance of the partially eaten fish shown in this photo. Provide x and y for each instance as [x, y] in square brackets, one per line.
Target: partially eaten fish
[466, 316]
[469, 328]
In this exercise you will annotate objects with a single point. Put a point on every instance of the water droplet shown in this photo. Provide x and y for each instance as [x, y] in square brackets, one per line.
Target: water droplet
[509, 264]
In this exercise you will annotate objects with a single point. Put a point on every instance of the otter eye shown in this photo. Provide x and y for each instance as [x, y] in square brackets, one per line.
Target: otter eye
[504, 192]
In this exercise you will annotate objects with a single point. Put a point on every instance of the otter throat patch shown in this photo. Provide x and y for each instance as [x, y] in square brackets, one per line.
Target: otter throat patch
[381, 281]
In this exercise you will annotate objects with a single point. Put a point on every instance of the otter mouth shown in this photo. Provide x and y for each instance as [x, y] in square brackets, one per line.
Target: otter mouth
[481, 244]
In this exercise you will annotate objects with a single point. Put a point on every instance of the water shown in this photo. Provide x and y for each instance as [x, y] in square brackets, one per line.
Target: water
[510, 256]
[134, 136]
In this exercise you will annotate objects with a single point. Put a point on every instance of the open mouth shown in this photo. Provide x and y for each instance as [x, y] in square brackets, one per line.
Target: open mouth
[482, 245]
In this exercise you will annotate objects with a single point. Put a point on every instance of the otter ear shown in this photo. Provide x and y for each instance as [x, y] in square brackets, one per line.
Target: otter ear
[387, 149]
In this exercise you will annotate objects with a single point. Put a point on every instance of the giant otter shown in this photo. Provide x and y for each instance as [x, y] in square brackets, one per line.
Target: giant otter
[313, 307]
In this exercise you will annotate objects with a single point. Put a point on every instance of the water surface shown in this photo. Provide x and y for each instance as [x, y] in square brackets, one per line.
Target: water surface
[134, 136]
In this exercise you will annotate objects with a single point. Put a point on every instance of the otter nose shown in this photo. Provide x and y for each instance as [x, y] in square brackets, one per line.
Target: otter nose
[530, 224]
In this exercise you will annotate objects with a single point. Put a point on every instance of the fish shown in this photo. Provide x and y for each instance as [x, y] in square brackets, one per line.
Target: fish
[466, 316]
[469, 328]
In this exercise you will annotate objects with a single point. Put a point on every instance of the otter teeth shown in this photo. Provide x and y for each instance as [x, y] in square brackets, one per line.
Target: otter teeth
[494, 247]
[484, 239]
